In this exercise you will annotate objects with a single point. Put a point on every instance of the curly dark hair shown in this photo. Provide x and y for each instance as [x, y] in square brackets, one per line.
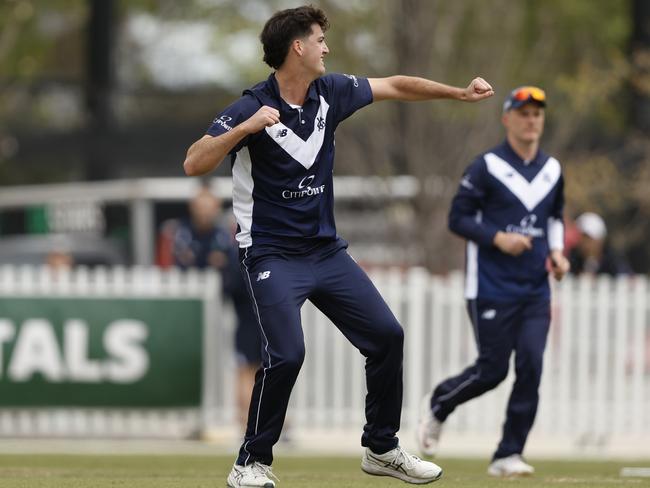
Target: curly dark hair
[286, 26]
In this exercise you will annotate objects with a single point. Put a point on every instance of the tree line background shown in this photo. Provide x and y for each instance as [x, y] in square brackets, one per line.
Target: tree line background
[104, 89]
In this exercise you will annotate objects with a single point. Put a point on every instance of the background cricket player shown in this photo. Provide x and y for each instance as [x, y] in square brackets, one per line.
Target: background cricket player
[509, 208]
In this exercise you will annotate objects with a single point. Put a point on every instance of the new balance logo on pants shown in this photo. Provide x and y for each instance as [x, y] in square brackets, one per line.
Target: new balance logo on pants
[263, 275]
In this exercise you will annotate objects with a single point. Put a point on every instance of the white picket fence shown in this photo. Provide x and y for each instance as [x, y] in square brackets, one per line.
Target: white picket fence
[595, 392]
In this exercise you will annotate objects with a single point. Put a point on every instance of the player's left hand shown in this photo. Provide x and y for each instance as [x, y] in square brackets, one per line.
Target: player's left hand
[477, 90]
[559, 265]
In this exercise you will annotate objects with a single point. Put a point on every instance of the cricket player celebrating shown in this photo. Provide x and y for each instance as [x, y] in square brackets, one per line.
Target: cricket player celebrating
[290, 251]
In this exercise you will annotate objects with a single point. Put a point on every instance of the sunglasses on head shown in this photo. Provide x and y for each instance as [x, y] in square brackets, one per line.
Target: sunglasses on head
[529, 93]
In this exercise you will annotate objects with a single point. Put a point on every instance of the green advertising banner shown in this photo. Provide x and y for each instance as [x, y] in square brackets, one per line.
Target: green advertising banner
[100, 352]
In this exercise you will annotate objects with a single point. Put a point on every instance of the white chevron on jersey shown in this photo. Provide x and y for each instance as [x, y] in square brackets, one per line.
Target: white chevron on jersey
[529, 193]
[305, 152]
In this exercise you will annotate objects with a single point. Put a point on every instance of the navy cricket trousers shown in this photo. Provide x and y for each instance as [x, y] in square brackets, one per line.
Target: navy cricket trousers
[501, 329]
[280, 283]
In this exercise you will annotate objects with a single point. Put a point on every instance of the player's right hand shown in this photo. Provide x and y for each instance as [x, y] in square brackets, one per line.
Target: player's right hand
[265, 117]
[512, 243]
[478, 89]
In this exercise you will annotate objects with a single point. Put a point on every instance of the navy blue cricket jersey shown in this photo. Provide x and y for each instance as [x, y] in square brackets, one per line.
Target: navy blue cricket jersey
[284, 196]
[501, 192]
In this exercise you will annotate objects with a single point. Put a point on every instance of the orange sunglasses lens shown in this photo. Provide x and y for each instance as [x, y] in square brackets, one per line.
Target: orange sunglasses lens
[532, 92]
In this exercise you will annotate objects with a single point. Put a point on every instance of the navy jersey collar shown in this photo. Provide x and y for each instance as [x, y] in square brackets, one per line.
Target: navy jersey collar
[275, 89]
[513, 156]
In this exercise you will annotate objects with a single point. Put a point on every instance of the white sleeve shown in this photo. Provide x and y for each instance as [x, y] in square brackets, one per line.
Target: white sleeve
[555, 234]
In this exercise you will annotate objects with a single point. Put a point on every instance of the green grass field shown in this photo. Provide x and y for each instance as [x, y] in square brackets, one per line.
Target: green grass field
[167, 471]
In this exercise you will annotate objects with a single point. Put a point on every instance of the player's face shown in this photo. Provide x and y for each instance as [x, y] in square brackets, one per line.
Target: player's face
[314, 50]
[526, 123]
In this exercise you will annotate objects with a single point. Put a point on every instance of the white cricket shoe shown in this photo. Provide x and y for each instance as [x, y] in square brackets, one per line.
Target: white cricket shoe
[402, 465]
[510, 467]
[428, 430]
[252, 475]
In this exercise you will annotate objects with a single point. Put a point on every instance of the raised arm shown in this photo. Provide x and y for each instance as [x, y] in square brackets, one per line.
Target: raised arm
[207, 153]
[410, 88]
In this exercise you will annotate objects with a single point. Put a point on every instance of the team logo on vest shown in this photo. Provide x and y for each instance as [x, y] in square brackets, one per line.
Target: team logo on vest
[527, 227]
[223, 122]
[320, 123]
[304, 189]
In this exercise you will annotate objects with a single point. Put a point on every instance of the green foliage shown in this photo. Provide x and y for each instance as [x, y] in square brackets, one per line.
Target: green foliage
[29, 31]
[577, 50]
